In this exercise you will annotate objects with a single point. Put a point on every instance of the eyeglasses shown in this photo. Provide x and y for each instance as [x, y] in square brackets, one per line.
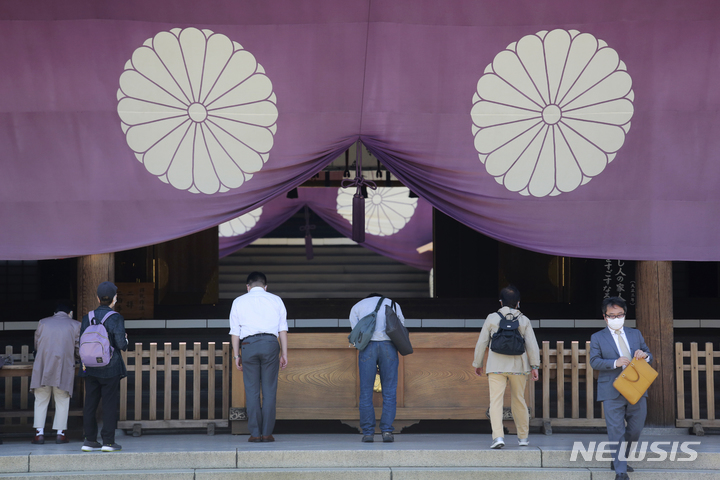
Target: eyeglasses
[613, 317]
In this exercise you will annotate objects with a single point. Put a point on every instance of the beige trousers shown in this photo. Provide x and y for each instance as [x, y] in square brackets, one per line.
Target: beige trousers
[62, 407]
[496, 384]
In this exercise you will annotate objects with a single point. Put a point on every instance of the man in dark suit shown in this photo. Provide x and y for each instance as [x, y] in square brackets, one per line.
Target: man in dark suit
[611, 350]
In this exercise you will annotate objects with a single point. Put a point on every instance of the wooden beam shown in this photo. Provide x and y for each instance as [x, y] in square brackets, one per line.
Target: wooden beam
[654, 313]
[92, 271]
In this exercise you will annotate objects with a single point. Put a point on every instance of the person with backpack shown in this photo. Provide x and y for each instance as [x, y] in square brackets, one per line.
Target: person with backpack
[513, 355]
[379, 356]
[102, 337]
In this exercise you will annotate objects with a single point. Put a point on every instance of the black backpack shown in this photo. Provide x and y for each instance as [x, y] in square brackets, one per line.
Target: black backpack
[508, 340]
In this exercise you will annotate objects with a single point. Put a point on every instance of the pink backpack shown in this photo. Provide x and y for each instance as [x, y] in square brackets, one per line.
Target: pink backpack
[95, 349]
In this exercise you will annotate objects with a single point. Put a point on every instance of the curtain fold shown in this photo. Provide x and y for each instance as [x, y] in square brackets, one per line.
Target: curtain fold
[567, 127]
[396, 237]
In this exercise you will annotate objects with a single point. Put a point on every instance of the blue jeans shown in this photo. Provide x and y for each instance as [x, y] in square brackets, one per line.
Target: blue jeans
[382, 356]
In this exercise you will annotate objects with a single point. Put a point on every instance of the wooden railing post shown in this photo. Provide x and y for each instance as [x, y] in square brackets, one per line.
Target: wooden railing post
[560, 379]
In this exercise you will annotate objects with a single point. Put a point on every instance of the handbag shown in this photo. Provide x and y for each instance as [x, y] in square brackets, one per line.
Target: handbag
[364, 329]
[634, 381]
[397, 332]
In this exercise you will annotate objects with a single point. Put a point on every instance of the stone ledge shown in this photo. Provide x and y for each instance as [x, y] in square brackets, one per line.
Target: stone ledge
[128, 461]
[375, 455]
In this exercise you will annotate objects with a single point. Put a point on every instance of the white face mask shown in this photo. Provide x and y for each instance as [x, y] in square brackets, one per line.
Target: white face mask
[616, 323]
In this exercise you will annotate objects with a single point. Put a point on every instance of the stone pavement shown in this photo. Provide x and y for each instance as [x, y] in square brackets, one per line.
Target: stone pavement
[330, 456]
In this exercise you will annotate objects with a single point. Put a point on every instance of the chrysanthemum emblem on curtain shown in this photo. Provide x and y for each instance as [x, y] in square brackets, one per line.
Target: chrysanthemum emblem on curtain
[198, 110]
[240, 225]
[387, 209]
[551, 111]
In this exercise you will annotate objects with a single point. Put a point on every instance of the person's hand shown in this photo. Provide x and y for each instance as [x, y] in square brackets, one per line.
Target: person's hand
[534, 374]
[639, 354]
[283, 361]
[478, 371]
[238, 363]
[622, 362]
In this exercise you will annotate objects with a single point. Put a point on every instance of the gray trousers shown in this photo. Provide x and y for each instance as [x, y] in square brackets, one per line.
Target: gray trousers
[261, 364]
[617, 412]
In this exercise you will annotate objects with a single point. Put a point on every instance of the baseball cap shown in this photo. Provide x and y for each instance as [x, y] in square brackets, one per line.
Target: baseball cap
[106, 289]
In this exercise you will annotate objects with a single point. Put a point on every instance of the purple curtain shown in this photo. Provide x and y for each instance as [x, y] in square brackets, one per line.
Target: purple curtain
[398, 238]
[565, 127]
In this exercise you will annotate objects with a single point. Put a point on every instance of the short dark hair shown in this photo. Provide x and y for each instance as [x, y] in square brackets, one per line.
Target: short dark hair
[615, 302]
[63, 306]
[106, 301]
[510, 296]
[257, 277]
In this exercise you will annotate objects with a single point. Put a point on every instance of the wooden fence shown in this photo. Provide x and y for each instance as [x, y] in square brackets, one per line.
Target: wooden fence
[169, 406]
[696, 401]
[179, 388]
[567, 388]
[184, 375]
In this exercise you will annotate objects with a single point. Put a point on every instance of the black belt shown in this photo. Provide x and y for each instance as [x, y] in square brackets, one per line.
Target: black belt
[258, 335]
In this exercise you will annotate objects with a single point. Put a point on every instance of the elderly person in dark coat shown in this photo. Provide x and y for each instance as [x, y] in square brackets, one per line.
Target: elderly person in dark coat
[56, 343]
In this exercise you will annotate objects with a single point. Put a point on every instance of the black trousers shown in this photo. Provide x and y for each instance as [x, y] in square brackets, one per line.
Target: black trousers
[107, 389]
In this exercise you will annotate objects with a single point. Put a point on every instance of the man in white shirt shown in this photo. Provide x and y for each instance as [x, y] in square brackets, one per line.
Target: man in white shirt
[380, 355]
[257, 320]
[611, 350]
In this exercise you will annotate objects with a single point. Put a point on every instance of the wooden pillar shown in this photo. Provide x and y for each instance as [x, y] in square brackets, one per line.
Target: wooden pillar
[654, 311]
[92, 271]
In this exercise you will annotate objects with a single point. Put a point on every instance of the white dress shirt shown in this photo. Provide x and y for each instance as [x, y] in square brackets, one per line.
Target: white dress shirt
[256, 312]
[367, 306]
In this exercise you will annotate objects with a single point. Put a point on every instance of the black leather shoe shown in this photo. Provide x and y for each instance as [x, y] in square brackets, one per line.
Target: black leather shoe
[622, 476]
[368, 439]
[629, 468]
[38, 440]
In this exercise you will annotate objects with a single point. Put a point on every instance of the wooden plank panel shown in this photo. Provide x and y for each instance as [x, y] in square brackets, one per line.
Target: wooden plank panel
[182, 387]
[211, 379]
[153, 382]
[694, 381]
[196, 381]
[443, 378]
[710, 380]
[680, 380]
[137, 356]
[318, 377]
[226, 366]
[167, 391]
[560, 379]
[575, 379]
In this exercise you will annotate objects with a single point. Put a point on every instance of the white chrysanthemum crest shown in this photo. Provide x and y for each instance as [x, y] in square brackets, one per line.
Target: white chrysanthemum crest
[240, 225]
[387, 209]
[551, 111]
[197, 110]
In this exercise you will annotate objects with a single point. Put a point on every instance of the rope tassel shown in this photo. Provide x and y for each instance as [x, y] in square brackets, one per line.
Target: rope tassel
[358, 213]
[358, 218]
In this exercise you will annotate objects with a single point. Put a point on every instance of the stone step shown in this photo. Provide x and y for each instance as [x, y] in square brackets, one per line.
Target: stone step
[369, 473]
[342, 456]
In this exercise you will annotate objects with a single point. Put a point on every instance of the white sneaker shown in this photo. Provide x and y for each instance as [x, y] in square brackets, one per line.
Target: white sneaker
[523, 442]
[498, 443]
